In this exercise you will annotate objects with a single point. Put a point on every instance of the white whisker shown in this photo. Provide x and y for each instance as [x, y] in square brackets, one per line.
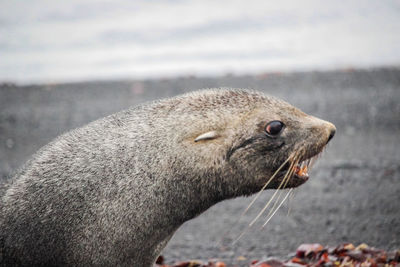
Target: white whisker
[273, 196]
[290, 201]
[270, 217]
[252, 202]
[269, 202]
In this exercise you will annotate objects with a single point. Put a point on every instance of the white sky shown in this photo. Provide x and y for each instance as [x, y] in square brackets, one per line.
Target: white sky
[55, 41]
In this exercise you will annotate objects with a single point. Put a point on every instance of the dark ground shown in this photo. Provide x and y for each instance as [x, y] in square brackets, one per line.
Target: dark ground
[354, 191]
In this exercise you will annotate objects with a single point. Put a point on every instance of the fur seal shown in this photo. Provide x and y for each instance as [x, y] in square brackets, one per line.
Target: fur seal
[113, 192]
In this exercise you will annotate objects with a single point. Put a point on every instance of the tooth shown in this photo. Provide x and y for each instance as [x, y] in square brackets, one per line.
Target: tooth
[304, 170]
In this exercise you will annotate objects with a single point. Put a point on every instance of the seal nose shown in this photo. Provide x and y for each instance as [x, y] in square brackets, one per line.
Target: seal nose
[332, 131]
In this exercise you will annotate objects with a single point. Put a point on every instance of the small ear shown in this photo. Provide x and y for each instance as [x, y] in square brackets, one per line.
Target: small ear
[207, 136]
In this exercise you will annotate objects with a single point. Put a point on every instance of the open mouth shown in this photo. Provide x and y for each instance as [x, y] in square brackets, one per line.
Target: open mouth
[301, 170]
[299, 173]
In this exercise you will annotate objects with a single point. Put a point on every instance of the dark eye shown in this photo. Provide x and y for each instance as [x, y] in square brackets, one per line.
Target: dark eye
[273, 128]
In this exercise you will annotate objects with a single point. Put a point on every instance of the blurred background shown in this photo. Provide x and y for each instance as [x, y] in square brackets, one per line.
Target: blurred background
[53, 41]
[64, 64]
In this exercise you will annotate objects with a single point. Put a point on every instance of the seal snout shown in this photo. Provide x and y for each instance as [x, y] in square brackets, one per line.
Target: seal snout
[331, 130]
[331, 135]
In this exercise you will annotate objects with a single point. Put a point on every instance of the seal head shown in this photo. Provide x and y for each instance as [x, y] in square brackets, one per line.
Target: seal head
[252, 137]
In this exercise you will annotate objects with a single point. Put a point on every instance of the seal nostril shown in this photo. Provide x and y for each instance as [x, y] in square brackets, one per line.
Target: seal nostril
[331, 135]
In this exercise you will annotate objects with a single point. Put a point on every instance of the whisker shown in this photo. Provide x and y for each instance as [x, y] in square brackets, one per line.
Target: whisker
[290, 201]
[275, 202]
[290, 190]
[308, 163]
[289, 176]
[241, 235]
[273, 196]
[265, 186]
[252, 202]
[268, 203]
[273, 210]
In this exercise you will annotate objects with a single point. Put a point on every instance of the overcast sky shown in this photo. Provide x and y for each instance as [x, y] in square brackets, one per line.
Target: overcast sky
[58, 41]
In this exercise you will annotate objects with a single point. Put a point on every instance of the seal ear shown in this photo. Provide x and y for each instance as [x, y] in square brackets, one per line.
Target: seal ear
[207, 136]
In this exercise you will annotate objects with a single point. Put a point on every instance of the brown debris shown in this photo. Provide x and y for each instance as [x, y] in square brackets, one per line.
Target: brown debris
[316, 255]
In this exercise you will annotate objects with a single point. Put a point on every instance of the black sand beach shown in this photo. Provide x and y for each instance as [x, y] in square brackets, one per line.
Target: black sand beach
[353, 194]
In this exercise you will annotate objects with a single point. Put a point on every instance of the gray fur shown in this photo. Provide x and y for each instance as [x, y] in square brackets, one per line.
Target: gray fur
[113, 192]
